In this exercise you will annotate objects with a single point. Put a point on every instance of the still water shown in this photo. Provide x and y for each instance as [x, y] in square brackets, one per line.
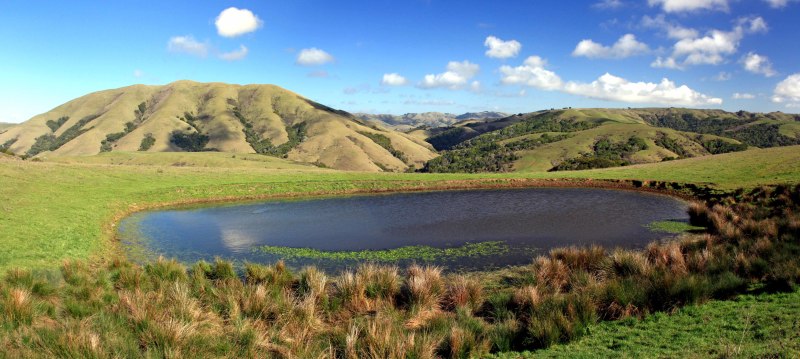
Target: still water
[527, 221]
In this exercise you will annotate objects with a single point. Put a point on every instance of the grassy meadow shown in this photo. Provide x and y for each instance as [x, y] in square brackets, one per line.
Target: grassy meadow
[68, 292]
[66, 209]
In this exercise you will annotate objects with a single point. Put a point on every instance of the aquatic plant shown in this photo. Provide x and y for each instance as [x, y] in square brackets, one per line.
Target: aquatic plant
[420, 253]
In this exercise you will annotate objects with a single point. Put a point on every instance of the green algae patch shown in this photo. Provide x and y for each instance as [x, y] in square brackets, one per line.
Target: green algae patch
[422, 253]
[674, 227]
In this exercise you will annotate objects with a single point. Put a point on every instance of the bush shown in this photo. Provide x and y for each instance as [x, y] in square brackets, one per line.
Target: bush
[190, 142]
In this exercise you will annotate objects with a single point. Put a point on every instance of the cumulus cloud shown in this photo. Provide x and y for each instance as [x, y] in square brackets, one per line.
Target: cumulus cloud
[758, 64]
[187, 45]
[788, 90]
[613, 88]
[626, 46]
[690, 5]
[456, 77]
[532, 73]
[607, 87]
[712, 48]
[235, 54]
[743, 96]
[500, 49]
[313, 57]
[394, 79]
[233, 22]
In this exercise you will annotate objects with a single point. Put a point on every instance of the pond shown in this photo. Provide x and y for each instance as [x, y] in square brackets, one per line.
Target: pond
[470, 229]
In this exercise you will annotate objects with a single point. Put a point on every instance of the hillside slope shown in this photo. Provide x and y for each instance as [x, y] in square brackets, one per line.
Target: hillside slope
[571, 139]
[190, 116]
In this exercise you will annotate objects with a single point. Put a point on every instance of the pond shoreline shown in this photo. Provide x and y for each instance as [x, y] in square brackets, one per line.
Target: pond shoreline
[397, 187]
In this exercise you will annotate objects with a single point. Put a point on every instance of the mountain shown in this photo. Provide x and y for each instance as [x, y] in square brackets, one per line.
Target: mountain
[191, 116]
[428, 119]
[570, 139]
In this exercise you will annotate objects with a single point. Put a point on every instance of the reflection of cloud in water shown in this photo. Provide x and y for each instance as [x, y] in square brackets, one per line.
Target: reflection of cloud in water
[237, 240]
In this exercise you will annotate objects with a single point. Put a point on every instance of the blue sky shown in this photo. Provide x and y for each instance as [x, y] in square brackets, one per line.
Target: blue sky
[384, 56]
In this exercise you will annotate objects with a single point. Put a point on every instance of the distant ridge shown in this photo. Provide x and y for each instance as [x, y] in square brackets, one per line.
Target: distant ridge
[429, 119]
[192, 116]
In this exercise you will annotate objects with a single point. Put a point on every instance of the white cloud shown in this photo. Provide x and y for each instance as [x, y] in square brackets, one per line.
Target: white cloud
[235, 54]
[626, 46]
[777, 4]
[313, 57]
[532, 73]
[758, 64]
[233, 22]
[613, 88]
[690, 5]
[500, 49]
[138, 73]
[788, 90]
[752, 25]
[666, 63]
[394, 79]
[743, 96]
[711, 49]
[187, 45]
[456, 77]
[672, 30]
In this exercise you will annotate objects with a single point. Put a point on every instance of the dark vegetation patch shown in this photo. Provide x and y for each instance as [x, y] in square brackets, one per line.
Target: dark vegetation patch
[486, 156]
[147, 142]
[116, 308]
[56, 124]
[6, 146]
[604, 154]
[386, 143]
[50, 142]
[451, 137]
[718, 146]
[664, 141]
[189, 142]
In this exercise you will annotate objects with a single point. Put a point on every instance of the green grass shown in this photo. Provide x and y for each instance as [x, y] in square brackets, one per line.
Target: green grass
[56, 211]
[422, 253]
[750, 326]
[674, 227]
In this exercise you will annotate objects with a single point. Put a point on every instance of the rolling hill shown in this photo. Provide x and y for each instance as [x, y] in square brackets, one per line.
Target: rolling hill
[187, 116]
[570, 139]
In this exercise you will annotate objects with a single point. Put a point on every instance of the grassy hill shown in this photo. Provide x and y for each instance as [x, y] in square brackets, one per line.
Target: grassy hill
[187, 116]
[5, 126]
[571, 139]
